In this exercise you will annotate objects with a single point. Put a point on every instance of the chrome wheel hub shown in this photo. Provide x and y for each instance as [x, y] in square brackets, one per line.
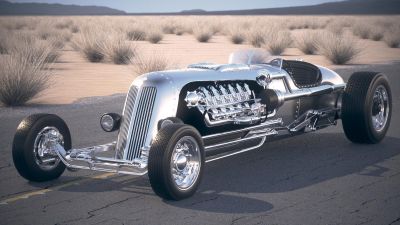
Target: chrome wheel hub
[185, 162]
[380, 108]
[43, 149]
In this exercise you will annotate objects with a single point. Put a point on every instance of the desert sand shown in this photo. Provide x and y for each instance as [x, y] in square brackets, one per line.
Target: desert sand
[76, 78]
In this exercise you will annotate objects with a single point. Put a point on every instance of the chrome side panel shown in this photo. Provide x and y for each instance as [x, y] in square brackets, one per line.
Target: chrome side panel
[169, 84]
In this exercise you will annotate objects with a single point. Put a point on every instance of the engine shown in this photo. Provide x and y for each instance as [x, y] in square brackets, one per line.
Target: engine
[232, 102]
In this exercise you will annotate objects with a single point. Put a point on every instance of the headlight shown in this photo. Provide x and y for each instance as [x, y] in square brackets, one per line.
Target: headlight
[110, 122]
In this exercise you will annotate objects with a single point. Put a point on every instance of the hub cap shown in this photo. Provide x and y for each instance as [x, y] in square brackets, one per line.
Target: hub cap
[380, 108]
[185, 162]
[45, 156]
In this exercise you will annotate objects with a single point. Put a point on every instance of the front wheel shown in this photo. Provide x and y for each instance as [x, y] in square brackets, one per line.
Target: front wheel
[32, 157]
[366, 107]
[176, 162]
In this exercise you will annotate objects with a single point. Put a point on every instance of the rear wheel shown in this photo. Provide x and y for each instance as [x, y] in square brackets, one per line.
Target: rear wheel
[32, 157]
[366, 107]
[176, 162]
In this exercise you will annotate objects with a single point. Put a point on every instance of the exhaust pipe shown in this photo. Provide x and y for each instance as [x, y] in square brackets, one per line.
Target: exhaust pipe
[275, 98]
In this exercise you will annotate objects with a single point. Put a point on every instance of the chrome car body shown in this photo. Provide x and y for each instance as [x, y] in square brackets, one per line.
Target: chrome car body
[156, 96]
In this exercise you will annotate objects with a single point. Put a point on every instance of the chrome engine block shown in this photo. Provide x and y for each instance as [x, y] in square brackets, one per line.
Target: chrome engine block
[227, 103]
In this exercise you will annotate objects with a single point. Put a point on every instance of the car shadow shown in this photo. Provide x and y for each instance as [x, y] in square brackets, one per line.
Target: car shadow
[229, 185]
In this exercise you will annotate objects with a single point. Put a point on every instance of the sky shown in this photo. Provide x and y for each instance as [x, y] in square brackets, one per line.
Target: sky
[135, 6]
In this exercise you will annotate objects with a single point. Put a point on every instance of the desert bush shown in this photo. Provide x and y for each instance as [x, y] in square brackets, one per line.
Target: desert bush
[277, 41]
[23, 76]
[4, 42]
[376, 34]
[120, 52]
[335, 27]
[202, 33]
[307, 43]
[339, 49]
[75, 29]
[236, 36]
[155, 36]
[169, 28]
[147, 64]
[136, 34]
[91, 45]
[362, 30]
[256, 37]
[392, 39]
[64, 24]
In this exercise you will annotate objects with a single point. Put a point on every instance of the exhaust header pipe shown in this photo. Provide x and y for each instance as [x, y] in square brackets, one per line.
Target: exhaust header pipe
[275, 98]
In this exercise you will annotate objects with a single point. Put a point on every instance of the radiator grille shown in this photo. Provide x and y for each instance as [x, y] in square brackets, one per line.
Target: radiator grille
[126, 120]
[141, 120]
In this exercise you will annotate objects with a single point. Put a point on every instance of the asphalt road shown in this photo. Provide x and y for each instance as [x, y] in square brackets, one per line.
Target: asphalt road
[317, 178]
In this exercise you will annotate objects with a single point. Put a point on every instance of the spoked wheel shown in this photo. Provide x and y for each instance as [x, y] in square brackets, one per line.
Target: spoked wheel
[176, 162]
[366, 107]
[32, 153]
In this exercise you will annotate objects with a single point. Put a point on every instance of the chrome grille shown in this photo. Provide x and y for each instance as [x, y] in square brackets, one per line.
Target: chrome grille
[140, 125]
[126, 120]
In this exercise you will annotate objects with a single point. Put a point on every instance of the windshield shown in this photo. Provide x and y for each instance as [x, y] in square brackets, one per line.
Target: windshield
[254, 56]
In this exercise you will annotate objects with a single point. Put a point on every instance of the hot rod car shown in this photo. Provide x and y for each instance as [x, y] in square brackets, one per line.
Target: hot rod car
[175, 121]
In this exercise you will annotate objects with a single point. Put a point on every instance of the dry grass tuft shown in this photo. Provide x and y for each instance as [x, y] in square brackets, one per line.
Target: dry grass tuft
[120, 52]
[202, 33]
[362, 30]
[307, 43]
[147, 64]
[392, 37]
[136, 34]
[277, 41]
[155, 36]
[23, 76]
[75, 29]
[237, 36]
[338, 49]
[256, 38]
[91, 45]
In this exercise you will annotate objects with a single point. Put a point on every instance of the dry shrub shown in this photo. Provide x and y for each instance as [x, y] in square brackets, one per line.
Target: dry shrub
[202, 33]
[4, 42]
[136, 34]
[307, 43]
[276, 41]
[91, 44]
[23, 76]
[75, 29]
[155, 36]
[169, 28]
[119, 51]
[237, 36]
[256, 37]
[147, 64]
[339, 49]
[376, 34]
[392, 37]
[335, 27]
[362, 30]
[64, 24]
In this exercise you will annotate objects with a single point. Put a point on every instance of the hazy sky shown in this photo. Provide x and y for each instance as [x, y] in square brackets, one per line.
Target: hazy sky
[178, 5]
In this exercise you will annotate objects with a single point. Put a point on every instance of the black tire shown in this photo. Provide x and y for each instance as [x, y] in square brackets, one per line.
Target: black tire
[357, 107]
[167, 121]
[159, 164]
[23, 147]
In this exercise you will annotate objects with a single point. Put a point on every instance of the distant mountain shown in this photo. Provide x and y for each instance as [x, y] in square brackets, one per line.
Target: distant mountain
[358, 7]
[8, 8]
[191, 11]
